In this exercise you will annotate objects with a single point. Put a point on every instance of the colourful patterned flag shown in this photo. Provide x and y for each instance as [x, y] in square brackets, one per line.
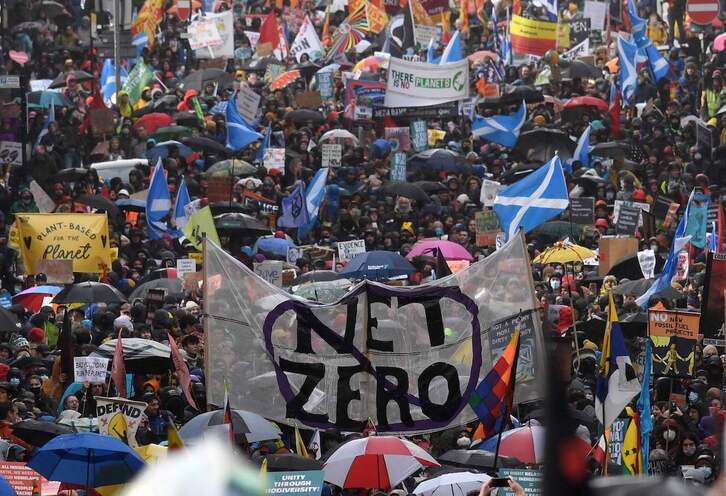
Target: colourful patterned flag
[492, 399]
[148, 19]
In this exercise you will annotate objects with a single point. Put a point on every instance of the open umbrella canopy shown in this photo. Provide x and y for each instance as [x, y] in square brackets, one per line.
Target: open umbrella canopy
[8, 321]
[476, 459]
[379, 462]
[317, 276]
[5, 488]
[339, 134]
[173, 132]
[161, 150]
[62, 78]
[231, 167]
[527, 444]
[198, 79]
[100, 203]
[167, 273]
[34, 298]
[440, 159]
[249, 426]
[235, 221]
[170, 285]
[86, 459]
[542, 144]
[89, 292]
[140, 355]
[455, 484]
[303, 116]
[580, 69]
[377, 264]
[275, 246]
[44, 99]
[205, 144]
[563, 252]
[324, 292]
[71, 174]
[153, 121]
[586, 101]
[37, 433]
[638, 287]
[407, 190]
[629, 266]
[449, 249]
[431, 186]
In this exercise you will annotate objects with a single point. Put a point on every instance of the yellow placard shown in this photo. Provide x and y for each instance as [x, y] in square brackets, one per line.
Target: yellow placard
[198, 257]
[377, 18]
[435, 135]
[200, 226]
[541, 30]
[82, 238]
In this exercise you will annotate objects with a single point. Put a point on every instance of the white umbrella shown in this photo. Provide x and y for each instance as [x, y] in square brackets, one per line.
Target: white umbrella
[339, 134]
[455, 484]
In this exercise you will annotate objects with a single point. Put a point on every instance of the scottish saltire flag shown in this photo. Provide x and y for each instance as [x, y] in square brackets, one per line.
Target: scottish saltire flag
[646, 423]
[492, 398]
[657, 64]
[239, 134]
[697, 221]
[616, 383]
[140, 41]
[533, 200]
[314, 195]
[158, 204]
[680, 240]
[181, 210]
[108, 81]
[582, 152]
[263, 146]
[551, 8]
[44, 130]
[452, 52]
[502, 129]
[502, 43]
[628, 74]
[294, 209]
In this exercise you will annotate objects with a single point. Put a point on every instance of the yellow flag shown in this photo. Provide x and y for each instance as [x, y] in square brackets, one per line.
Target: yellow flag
[174, 440]
[300, 448]
[377, 18]
[435, 135]
[82, 238]
[263, 468]
[148, 19]
[200, 226]
[631, 453]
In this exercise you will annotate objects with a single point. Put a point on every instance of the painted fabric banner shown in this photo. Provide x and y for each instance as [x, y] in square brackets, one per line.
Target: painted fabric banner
[406, 357]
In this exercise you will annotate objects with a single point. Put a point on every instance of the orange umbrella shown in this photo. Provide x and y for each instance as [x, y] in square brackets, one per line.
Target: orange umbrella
[284, 79]
[174, 9]
[482, 55]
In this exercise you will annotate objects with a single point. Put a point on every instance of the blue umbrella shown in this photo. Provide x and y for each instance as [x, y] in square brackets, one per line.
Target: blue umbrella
[86, 459]
[5, 488]
[276, 246]
[44, 99]
[377, 265]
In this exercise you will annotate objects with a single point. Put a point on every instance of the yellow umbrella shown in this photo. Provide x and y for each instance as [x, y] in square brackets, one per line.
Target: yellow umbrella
[562, 252]
[152, 453]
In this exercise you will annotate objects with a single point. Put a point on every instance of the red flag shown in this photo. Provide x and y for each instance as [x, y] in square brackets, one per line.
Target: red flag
[614, 112]
[269, 32]
[228, 413]
[118, 368]
[182, 371]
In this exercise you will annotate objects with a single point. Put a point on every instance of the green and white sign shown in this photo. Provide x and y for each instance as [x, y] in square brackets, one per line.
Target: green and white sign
[307, 483]
[530, 480]
[415, 84]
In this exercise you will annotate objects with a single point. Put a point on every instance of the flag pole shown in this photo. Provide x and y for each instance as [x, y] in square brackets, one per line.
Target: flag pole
[505, 421]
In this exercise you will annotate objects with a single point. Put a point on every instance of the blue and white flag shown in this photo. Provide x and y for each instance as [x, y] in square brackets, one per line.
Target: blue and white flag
[533, 200]
[108, 81]
[582, 152]
[44, 130]
[713, 238]
[646, 422]
[628, 74]
[158, 204]
[260, 157]
[550, 6]
[680, 240]
[181, 210]
[697, 221]
[657, 64]
[314, 195]
[502, 129]
[452, 52]
[140, 41]
[430, 59]
[294, 209]
[239, 134]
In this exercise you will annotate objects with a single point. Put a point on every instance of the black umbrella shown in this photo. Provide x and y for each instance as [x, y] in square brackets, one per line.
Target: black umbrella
[289, 462]
[100, 203]
[628, 266]
[638, 287]
[71, 175]
[611, 149]
[514, 95]
[408, 190]
[519, 171]
[431, 186]
[141, 356]
[579, 415]
[580, 69]
[166, 102]
[170, 285]
[89, 292]
[38, 433]
[205, 144]
[223, 207]
[317, 276]
[305, 116]
[307, 69]
[235, 221]
[440, 159]
[557, 229]
[159, 274]
[477, 459]
[545, 142]
[8, 321]
[60, 81]
[198, 79]
[187, 119]
[131, 204]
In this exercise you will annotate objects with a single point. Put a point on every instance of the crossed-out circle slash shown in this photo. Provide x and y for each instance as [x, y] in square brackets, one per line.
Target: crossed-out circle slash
[334, 339]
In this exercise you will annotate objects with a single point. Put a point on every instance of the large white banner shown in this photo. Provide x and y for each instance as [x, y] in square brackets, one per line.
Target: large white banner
[225, 28]
[416, 84]
[307, 41]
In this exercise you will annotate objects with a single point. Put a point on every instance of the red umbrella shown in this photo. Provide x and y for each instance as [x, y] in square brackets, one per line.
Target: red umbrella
[380, 462]
[284, 79]
[152, 122]
[587, 101]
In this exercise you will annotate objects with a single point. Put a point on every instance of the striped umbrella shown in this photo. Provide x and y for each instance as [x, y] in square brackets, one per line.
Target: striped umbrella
[33, 298]
[380, 462]
[527, 444]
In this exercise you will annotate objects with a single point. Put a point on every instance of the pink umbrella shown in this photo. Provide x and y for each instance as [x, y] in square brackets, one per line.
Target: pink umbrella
[719, 43]
[450, 250]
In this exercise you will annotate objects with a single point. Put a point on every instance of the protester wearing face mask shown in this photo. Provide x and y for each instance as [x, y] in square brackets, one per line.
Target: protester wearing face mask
[669, 437]
[687, 452]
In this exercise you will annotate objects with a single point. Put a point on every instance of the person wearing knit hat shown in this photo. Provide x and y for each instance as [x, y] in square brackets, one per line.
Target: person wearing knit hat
[36, 335]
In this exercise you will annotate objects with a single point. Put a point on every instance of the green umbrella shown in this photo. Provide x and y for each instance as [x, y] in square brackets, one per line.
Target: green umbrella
[232, 167]
[171, 132]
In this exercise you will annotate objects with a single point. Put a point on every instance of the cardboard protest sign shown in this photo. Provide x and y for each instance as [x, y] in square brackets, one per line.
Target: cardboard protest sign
[419, 136]
[487, 227]
[332, 154]
[82, 238]
[334, 348]
[270, 271]
[347, 250]
[617, 436]
[488, 193]
[582, 210]
[646, 260]
[185, 266]
[119, 418]
[674, 335]
[416, 84]
[627, 220]
[11, 152]
[90, 369]
[613, 249]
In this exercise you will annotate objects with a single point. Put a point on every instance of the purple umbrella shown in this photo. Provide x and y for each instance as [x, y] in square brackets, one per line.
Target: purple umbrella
[449, 249]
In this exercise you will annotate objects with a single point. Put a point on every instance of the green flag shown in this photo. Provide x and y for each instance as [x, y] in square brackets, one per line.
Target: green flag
[200, 226]
[138, 78]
